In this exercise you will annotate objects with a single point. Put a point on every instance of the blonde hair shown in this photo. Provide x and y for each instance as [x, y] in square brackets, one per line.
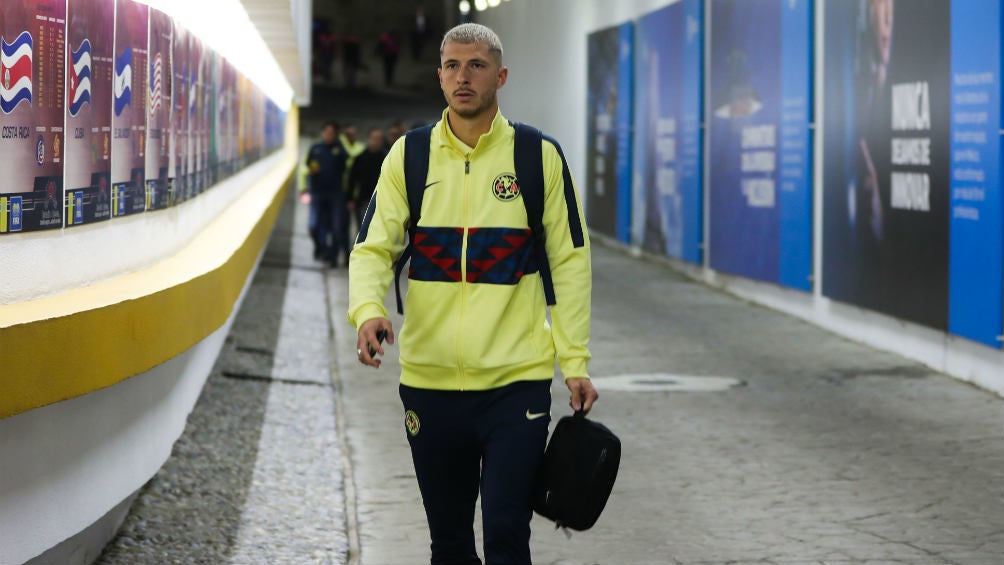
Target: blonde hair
[474, 33]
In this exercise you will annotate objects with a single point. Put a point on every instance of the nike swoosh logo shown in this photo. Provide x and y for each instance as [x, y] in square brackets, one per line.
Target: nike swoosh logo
[432, 183]
[532, 416]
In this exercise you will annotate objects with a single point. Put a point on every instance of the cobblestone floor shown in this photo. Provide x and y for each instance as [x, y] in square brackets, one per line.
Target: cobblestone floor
[257, 475]
[831, 453]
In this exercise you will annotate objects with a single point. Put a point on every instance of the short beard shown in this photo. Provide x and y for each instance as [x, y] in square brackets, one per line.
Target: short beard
[469, 113]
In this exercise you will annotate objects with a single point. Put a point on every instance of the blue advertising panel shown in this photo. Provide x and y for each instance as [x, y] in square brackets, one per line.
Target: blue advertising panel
[795, 169]
[624, 122]
[887, 171]
[608, 147]
[666, 205]
[977, 233]
[759, 138]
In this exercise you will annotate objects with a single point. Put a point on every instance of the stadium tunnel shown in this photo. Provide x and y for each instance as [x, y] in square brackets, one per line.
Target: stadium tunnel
[688, 153]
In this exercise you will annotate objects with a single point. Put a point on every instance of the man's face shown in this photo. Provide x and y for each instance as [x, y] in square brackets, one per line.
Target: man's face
[393, 132]
[881, 16]
[350, 134]
[470, 76]
[328, 135]
[375, 141]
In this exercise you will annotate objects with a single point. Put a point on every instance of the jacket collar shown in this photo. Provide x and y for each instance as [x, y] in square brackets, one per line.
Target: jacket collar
[497, 132]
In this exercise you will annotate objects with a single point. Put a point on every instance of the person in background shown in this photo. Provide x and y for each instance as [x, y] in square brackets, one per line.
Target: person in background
[364, 174]
[327, 48]
[351, 59]
[351, 143]
[395, 130]
[326, 164]
[418, 33]
[388, 48]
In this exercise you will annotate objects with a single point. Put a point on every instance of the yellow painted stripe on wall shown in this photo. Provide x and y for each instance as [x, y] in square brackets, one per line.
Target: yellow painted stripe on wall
[128, 325]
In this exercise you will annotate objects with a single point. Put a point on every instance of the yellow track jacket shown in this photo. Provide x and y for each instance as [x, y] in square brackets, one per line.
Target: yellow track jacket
[475, 314]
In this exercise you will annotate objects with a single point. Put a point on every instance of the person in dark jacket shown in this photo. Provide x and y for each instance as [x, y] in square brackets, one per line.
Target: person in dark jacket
[364, 174]
[394, 131]
[328, 214]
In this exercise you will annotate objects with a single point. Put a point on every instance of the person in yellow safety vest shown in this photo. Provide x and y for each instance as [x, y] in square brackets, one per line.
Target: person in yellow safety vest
[353, 148]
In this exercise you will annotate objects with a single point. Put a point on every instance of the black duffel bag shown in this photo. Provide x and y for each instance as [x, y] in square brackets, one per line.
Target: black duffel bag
[578, 472]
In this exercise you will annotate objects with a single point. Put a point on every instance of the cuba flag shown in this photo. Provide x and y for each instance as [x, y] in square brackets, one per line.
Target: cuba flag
[15, 72]
[123, 81]
[80, 77]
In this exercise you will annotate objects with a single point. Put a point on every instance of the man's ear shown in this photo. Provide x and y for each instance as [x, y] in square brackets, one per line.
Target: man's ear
[503, 75]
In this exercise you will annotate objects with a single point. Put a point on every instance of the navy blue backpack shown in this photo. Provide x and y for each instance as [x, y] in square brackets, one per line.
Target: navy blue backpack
[529, 166]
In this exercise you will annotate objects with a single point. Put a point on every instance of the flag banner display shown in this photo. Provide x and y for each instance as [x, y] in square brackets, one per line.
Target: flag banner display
[90, 69]
[158, 110]
[207, 78]
[194, 84]
[227, 112]
[178, 149]
[129, 94]
[32, 55]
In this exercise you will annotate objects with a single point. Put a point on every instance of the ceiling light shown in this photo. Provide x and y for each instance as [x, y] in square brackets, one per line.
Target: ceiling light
[238, 40]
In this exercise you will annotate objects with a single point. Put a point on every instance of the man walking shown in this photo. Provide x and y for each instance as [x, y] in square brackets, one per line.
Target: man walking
[364, 174]
[477, 353]
[328, 221]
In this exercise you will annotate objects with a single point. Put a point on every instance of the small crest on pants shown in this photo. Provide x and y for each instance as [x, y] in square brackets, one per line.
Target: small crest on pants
[411, 422]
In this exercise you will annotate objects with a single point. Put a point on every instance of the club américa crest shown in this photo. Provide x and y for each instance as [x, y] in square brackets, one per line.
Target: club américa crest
[411, 423]
[505, 187]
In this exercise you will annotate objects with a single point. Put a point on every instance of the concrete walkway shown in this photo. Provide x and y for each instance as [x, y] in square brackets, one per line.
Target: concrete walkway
[257, 475]
[828, 452]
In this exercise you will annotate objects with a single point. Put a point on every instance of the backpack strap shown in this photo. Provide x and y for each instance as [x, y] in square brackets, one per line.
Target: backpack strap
[529, 163]
[416, 169]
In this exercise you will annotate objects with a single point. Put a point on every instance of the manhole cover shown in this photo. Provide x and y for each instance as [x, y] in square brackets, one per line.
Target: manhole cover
[665, 382]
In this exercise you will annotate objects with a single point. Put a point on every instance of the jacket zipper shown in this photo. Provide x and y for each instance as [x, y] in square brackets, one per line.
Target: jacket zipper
[463, 269]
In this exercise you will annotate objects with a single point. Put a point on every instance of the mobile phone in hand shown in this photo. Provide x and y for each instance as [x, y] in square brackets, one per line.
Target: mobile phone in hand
[381, 335]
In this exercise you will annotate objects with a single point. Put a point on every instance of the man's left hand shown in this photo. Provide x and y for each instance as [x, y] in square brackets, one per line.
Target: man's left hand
[584, 395]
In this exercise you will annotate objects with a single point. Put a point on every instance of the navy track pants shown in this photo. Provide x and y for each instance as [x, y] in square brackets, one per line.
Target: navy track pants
[461, 441]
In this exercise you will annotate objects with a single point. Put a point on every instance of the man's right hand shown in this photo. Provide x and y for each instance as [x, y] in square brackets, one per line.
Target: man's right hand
[367, 337]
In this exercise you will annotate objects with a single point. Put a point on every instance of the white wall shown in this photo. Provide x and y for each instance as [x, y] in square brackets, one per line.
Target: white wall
[67, 464]
[545, 49]
[544, 44]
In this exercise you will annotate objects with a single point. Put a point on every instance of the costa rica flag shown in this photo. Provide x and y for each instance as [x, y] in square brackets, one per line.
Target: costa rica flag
[15, 72]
